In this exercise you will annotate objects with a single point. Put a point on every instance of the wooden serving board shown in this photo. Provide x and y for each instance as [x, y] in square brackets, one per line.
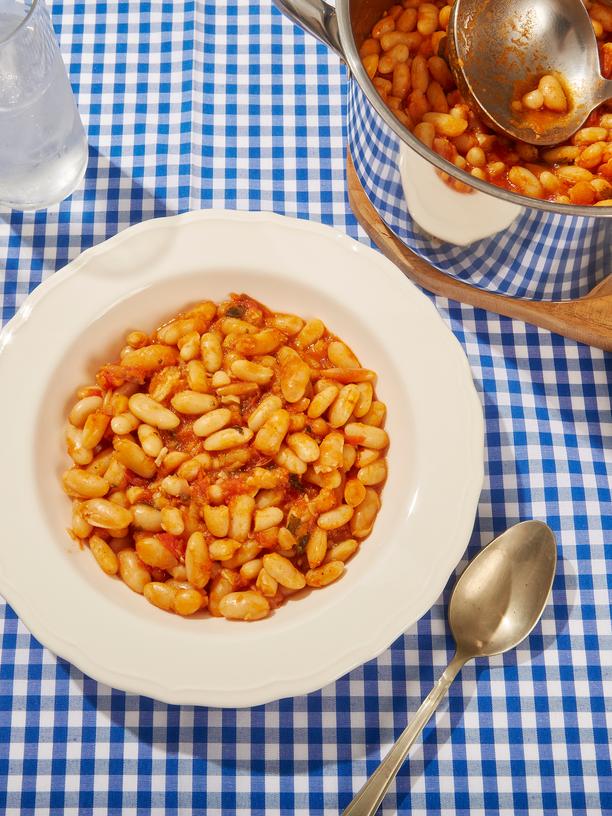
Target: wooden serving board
[587, 319]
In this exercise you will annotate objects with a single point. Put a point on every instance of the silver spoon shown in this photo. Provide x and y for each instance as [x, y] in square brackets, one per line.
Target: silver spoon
[496, 602]
[496, 47]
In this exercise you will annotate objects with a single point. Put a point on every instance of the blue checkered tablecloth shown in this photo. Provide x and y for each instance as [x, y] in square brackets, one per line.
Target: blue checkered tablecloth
[195, 103]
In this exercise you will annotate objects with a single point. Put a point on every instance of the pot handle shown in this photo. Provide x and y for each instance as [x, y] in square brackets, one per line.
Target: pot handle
[316, 17]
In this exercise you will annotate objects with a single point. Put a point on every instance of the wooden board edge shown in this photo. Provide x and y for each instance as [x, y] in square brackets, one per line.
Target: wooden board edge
[587, 319]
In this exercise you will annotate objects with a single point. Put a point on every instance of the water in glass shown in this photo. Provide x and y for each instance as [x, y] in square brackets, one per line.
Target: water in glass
[43, 148]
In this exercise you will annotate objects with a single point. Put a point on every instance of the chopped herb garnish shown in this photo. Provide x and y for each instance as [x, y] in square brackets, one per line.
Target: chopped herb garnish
[235, 311]
[302, 542]
[293, 523]
[296, 483]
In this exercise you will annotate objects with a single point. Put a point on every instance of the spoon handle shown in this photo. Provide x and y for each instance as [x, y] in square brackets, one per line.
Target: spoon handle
[370, 796]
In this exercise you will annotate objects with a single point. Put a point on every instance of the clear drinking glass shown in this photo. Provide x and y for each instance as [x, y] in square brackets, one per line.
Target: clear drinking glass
[43, 147]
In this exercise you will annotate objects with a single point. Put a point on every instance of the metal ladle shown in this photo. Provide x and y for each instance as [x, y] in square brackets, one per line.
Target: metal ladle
[497, 47]
[496, 602]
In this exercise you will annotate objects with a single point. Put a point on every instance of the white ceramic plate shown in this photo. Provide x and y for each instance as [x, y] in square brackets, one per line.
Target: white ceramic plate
[72, 323]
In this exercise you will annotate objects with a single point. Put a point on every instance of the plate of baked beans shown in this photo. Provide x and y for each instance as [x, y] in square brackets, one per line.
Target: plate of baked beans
[249, 458]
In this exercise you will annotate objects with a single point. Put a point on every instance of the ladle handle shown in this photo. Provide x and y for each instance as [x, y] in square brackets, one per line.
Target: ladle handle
[317, 17]
[370, 796]
[604, 92]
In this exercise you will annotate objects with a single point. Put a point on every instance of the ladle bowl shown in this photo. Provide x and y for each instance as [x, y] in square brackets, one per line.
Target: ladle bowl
[498, 50]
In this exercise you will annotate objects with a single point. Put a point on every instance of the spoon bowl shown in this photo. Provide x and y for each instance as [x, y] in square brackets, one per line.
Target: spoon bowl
[496, 602]
[500, 596]
[498, 50]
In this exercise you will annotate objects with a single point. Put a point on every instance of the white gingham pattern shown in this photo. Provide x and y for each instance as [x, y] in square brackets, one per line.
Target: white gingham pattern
[226, 104]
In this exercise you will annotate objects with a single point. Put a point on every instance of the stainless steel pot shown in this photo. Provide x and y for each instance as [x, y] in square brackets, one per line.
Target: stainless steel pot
[551, 251]
[343, 29]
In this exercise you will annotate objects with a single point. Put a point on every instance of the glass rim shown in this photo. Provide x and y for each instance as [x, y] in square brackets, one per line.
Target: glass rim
[32, 9]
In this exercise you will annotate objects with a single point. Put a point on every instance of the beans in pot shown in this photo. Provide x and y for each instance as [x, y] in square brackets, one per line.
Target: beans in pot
[401, 58]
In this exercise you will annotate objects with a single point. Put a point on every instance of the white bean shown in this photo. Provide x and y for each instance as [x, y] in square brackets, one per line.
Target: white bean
[133, 571]
[193, 403]
[284, 571]
[83, 484]
[266, 518]
[124, 423]
[147, 518]
[264, 411]
[133, 457]
[228, 438]
[340, 355]
[241, 512]
[83, 408]
[94, 429]
[316, 547]
[287, 458]
[217, 520]
[336, 518]
[106, 558]
[106, 514]
[373, 474]
[172, 521]
[151, 412]
[177, 487]
[246, 606]
[197, 560]
[325, 574]
[358, 433]
[153, 553]
[212, 421]
[365, 514]
[252, 372]
[270, 436]
[344, 405]
[150, 440]
[212, 353]
[304, 446]
[321, 402]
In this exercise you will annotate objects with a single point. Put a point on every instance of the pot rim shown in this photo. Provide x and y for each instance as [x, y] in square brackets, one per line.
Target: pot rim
[356, 69]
